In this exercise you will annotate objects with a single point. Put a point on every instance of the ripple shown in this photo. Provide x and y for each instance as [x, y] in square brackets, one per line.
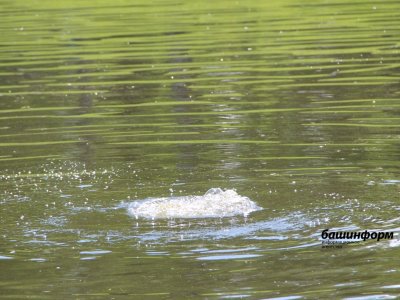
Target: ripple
[228, 257]
[4, 257]
[95, 252]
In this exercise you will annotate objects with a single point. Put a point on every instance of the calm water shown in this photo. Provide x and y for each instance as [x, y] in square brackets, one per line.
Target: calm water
[294, 105]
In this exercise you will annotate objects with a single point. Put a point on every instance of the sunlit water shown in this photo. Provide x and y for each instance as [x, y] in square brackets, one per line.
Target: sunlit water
[117, 118]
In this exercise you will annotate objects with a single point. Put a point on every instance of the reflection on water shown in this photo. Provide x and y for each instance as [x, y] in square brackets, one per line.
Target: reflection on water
[294, 105]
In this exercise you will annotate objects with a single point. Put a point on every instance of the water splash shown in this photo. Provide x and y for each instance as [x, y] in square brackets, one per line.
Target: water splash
[215, 203]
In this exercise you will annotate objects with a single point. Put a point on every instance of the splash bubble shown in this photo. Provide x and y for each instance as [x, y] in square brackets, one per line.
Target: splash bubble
[215, 203]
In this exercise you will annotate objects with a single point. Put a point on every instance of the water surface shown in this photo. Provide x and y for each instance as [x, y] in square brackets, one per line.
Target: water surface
[295, 106]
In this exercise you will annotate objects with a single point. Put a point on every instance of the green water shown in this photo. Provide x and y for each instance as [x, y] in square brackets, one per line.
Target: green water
[294, 105]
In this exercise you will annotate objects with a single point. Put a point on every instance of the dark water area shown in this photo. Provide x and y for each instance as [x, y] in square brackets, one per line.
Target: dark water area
[295, 106]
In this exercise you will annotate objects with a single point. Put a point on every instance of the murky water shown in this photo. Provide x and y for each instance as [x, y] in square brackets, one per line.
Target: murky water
[295, 106]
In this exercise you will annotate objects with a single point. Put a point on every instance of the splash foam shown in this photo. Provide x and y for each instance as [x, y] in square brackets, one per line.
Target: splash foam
[215, 203]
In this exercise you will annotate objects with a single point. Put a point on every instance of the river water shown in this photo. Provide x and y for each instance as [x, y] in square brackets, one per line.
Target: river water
[295, 106]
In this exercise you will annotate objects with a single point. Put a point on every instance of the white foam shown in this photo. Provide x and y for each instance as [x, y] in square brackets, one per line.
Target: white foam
[215, 203]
